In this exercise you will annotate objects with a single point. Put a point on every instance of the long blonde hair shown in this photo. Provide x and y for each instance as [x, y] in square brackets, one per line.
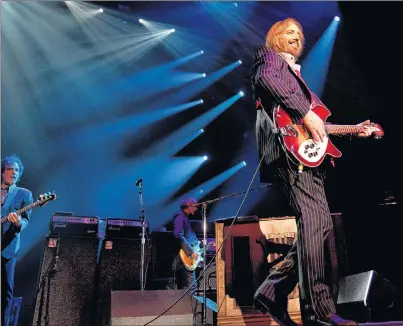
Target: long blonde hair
[273, 35]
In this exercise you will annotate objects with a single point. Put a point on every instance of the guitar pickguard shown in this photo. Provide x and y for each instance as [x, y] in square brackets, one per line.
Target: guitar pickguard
[311, 151]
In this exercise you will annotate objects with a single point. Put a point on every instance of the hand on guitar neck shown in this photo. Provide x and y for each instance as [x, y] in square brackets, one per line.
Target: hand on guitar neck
[317, 128]
[367, 129]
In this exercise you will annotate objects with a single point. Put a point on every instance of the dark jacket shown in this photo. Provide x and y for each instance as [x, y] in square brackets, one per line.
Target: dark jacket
[17, 198]
[275, 83]
[183, 231]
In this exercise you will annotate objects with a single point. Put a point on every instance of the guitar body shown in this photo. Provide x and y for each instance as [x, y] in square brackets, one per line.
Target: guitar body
[190, 263]
[299, 142]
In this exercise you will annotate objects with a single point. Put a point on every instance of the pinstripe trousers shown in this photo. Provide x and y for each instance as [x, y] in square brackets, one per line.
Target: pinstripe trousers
[305, 262]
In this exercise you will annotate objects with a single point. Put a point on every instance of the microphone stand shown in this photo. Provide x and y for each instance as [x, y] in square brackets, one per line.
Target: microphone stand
[143, 233]
[204, 218]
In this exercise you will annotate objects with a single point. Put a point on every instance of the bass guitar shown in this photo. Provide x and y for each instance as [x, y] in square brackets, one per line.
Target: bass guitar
[190, 263]
[299, 142]
[43, 199]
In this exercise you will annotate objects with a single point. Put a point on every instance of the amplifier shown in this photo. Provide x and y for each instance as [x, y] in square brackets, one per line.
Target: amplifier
[124, 229]
[74, 225]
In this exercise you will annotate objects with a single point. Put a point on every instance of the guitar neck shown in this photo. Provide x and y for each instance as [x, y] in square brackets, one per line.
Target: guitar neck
[22, 210]
[344, 129]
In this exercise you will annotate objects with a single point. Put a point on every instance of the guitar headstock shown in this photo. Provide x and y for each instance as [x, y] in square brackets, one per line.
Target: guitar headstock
[46, 197]
[376, 130]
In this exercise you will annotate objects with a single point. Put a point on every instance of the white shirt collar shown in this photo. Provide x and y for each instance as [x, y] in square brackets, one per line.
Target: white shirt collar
[290, 59]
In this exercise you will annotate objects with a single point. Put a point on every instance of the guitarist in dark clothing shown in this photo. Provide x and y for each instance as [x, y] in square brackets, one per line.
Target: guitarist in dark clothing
[183, 231]
[277, 80]
[13, 198]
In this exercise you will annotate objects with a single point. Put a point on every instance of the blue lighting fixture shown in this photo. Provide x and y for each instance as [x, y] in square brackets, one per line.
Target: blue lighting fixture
[205, 157]
[201, 130]
[337, 18]
[100, 10]
[241, 93]
[240, 62]
[204, 75]
[172, 30]
[201, 101]
[141, 20]
[201, 51]
[243, 163]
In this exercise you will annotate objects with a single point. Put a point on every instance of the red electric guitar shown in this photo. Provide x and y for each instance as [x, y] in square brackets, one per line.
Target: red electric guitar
[299, 142]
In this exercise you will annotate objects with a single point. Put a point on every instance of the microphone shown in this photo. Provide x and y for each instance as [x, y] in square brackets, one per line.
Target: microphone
[140, 180]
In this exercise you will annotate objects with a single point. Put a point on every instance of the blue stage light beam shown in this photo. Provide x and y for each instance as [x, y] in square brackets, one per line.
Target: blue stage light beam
[198, 85]
[238, 183]
[316, 64]
[213, 183]
[109, 132]
[174, 64]
[206, 188]
[143, 85]
[169, 146]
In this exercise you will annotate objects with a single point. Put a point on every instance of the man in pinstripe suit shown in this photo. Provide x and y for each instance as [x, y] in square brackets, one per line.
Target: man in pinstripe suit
[277, 81]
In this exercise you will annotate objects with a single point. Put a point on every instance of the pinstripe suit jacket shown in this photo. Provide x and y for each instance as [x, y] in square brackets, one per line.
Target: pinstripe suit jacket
[274, 82]
[11, 234]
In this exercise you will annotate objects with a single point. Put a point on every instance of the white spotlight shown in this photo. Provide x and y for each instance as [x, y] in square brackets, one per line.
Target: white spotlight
[204, 75]
[201, 130]
[243, 163]
[201, 51]
[141, 21]
[337, 18]
[172, 30]
[205, 157]
[100, 10]
[201, 101]
[241, 93]
[240, 62]
[201, 191]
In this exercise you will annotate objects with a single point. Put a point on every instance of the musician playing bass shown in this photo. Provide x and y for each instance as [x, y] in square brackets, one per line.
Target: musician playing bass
[183, 276]
[12, 199]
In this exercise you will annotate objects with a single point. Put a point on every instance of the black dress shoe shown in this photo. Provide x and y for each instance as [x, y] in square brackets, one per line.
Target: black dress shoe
[278, 312]
[336, 320]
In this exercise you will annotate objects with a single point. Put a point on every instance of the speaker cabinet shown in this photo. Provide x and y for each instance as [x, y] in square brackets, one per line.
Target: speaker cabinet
[67, 282]
[120, 265]
[165, 247]
[365, 295]
[140, 307]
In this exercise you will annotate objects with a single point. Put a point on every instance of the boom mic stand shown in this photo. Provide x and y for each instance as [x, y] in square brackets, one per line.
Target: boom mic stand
[204, 218]
[139, 183]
